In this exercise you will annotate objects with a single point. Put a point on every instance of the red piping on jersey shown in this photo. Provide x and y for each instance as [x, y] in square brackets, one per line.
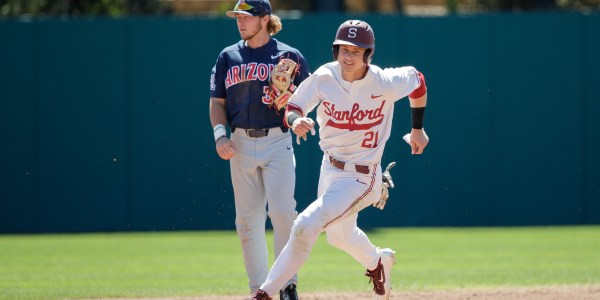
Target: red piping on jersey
[369, 189]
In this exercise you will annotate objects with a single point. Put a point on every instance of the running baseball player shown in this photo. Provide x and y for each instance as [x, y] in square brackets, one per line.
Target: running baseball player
[355, 105]
[246, 98]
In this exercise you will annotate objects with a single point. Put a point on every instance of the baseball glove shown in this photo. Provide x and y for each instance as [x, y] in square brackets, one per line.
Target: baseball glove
[387, 183]
[282, 86]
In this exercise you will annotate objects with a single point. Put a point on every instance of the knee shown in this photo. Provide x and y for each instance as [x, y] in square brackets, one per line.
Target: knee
[246, 225]
[303, 236]
[304, 228]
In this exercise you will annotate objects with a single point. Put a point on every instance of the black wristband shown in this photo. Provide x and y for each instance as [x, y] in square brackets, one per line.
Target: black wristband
[417, 117]
[291, 118]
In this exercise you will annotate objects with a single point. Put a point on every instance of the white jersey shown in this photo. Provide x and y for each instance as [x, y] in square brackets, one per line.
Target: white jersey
[355, 118]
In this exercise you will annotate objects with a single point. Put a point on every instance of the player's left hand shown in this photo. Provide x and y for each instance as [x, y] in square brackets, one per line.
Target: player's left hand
[282, 86]
[418, 140]
[387, 182]
[301, 127]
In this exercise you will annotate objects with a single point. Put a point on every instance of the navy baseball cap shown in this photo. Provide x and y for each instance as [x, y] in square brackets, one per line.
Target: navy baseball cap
[250, 8]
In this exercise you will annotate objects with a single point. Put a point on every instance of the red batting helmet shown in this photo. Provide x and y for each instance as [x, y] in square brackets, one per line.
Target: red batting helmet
[356, 33]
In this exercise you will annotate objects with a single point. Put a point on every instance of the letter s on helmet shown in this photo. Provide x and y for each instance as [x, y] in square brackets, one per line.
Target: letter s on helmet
[356, 33]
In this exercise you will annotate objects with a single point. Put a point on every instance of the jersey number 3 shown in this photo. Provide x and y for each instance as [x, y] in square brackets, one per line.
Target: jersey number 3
[371, 139]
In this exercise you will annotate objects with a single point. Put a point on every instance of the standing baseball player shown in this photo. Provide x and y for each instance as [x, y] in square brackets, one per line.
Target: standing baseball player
[260, 146]
[355, 102]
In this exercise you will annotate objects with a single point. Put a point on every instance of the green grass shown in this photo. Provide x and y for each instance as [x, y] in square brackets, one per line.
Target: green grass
[200, 263]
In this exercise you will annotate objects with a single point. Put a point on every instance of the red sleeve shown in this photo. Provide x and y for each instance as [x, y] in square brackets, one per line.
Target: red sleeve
[421, 90]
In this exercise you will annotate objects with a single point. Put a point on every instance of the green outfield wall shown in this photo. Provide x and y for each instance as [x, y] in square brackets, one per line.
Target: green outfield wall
[104, 123]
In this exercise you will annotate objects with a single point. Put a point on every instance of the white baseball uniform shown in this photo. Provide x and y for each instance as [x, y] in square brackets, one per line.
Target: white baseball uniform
[355, 121]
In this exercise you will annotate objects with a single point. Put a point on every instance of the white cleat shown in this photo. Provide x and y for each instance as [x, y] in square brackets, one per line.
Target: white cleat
[380, 276]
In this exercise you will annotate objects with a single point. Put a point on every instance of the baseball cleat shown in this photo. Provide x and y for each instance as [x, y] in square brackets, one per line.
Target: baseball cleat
[289, 293]
[260, 295]
[380, 276]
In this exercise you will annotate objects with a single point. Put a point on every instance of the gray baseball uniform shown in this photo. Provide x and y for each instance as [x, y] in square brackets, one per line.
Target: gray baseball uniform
[263, 169]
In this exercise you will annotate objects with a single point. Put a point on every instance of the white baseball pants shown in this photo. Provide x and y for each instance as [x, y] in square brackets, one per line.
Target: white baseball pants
[342, 194]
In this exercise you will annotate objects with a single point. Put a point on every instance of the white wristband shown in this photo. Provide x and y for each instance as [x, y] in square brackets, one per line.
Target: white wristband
[219, 131]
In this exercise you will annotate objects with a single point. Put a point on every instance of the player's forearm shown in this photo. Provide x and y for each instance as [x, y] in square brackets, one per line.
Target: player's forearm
[292, 112]
[217, 111]
[417, 109]
[418, 102]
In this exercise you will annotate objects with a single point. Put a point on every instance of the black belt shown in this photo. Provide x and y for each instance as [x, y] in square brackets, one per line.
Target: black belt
[340, 165]
[258, 133]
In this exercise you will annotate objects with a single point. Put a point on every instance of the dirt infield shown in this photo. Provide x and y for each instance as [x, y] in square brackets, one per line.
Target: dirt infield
[585, 292]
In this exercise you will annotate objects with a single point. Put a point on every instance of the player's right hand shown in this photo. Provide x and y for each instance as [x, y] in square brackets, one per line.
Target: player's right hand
[226, 148]
[418, 140]
[302, 126]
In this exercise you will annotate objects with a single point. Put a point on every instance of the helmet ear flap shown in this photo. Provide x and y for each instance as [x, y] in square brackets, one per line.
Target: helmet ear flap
[368, 56]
